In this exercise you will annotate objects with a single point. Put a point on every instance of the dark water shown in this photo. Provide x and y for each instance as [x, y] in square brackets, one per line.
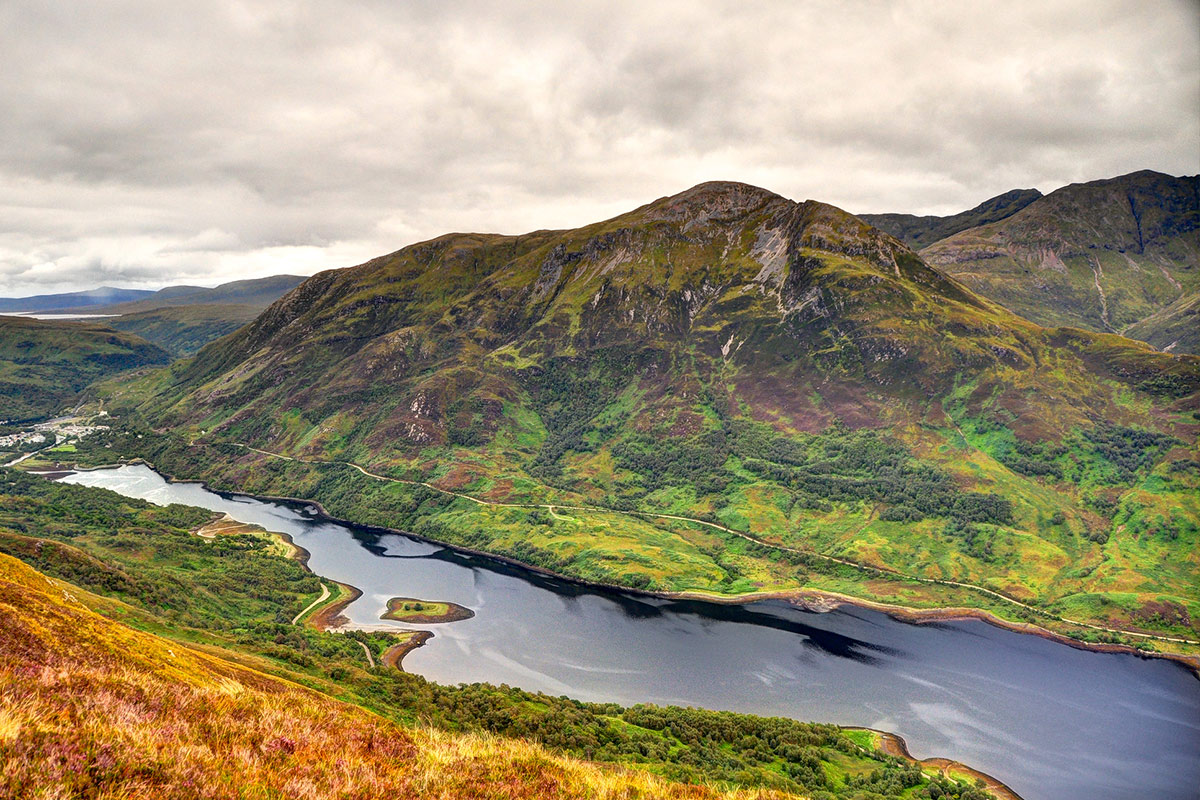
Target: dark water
[1053, 722]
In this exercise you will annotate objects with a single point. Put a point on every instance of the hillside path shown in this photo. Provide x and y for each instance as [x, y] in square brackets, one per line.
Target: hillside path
[313, 604]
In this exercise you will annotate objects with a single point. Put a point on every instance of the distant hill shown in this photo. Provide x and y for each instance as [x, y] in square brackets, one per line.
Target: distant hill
[918, 232]
[182, 319]
[1102, 255]
[259, 292]
[89, 300]
[182, 330]
[1175, 328]
[45, 363]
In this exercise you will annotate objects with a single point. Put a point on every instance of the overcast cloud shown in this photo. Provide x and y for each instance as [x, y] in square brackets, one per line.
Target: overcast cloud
[145, 143]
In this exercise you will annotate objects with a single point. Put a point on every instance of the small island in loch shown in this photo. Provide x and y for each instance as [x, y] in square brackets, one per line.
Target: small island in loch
[424, 612]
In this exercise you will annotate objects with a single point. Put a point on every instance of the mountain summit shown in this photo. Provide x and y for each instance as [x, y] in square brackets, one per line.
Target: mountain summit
[729, 278]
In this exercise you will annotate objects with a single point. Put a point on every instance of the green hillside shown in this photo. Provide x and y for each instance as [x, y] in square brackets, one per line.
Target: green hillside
[1175, 328]
[182, 330]
[720, 391]
[1101, 255]
[44, 364]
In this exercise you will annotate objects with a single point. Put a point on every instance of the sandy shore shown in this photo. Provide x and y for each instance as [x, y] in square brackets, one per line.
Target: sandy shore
[394, 655]
[330, 616]
[894, 745]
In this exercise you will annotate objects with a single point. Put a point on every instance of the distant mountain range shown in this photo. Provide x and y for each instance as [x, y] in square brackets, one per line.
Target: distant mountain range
[1118, 255]
[254, 292]
[179, 319]
[918, 232]
[105, 295]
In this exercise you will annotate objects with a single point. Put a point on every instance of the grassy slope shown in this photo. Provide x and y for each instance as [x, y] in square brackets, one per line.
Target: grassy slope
[45, 363]
[182, 330]
[1101, 255]
[112, 712]
[230, 596]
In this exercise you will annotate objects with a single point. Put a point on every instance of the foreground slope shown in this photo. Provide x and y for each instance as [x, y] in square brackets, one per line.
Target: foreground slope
[716, 366]
[89, 707]
[1101, 255]
[44, 364]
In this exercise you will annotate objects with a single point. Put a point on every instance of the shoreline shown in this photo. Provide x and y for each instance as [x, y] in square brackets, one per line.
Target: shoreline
[827, 600]
[394, 655]
[328, 618]
[893, 744]
[821, 601]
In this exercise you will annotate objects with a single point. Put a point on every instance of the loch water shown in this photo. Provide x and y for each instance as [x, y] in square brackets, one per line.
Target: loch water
[1051, 721]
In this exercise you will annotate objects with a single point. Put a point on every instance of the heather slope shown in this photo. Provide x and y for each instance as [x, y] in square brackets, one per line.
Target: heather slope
[1101, 255]
[89, 707]
[781, 370]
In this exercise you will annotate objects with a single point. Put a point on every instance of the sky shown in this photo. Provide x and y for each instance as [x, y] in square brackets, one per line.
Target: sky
[145, 143]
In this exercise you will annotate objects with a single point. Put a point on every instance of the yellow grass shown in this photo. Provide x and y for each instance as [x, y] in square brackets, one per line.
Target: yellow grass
[92, 708]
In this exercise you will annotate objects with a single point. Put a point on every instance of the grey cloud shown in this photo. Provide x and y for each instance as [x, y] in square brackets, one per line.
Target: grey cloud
[146, 143]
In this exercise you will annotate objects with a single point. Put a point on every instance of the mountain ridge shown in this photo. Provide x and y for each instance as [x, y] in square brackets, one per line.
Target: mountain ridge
[1103, 255]
[921, 231]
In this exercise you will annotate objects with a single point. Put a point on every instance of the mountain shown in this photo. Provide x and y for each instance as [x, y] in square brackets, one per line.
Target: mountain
[105, 295]
[918, 232]
[259, 292]
[182, 319]
[734, 392]
[1101, 255]
[44, 364]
